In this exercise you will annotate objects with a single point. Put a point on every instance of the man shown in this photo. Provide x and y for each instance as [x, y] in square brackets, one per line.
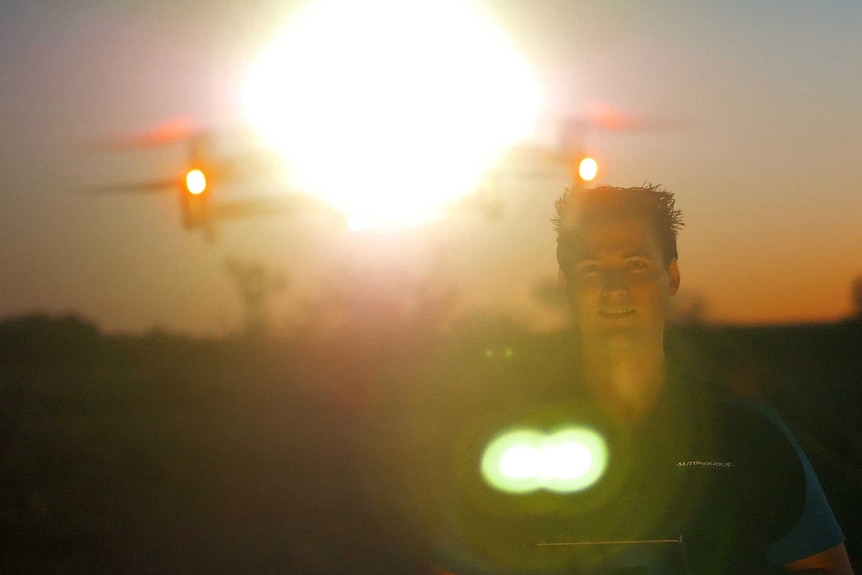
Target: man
[695, 483]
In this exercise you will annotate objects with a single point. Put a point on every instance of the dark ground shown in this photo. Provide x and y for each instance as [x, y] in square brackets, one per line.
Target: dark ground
[159, 453]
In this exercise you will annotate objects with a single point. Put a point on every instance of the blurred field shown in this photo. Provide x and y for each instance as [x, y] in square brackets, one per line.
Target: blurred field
[160, 453]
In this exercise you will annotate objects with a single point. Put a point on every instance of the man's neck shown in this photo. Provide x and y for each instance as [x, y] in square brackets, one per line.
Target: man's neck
[627, 381]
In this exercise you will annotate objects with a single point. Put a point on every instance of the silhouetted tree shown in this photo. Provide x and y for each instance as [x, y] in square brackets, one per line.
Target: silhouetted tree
[856, 293]
[381, 307]
[33, 337]
[256, 286]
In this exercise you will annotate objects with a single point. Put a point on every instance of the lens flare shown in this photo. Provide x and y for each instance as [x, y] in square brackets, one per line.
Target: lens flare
[525, 460]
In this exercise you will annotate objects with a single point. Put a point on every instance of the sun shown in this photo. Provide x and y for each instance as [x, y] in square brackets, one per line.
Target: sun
[391, 110]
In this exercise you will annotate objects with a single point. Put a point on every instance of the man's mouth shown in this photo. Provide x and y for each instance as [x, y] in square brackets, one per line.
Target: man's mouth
[616, 312]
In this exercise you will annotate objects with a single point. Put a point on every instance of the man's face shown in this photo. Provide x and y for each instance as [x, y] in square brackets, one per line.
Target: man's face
[619, 286]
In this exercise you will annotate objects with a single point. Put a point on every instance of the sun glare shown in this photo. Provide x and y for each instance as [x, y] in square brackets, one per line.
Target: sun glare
[391, 110]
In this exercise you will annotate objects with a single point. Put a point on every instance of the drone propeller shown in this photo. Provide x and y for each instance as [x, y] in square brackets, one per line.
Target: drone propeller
[163, 134]
[135, 187]
[252, 208]
[599, 116]
[605, 117]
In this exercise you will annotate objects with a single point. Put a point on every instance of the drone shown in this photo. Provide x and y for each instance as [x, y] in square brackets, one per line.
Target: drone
[570, 150]
[204, 172]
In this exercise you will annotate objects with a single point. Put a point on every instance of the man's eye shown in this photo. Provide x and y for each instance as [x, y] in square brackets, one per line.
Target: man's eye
[636, 265]
[589, 269]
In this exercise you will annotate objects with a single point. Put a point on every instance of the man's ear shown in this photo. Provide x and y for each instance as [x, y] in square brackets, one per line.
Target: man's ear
[562, 280]
[673, 276]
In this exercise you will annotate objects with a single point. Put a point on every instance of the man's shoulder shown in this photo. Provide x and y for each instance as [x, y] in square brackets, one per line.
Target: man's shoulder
[754, 432]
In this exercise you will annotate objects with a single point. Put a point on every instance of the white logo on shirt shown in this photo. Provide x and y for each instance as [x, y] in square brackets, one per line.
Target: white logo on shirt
[705, 464]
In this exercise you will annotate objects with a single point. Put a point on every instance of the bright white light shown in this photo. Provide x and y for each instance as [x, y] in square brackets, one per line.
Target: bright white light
[520, 461]
[568, 460]
[523, 460]
[587, 169]
[388, 109]
[196, 182]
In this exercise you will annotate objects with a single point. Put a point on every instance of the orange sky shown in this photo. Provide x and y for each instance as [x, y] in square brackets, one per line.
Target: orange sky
[764, 129]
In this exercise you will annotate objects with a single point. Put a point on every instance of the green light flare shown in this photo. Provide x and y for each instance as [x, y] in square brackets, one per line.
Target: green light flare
[524, 460]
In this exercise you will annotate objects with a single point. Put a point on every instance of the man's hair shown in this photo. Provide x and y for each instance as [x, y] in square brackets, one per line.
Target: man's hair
[650, 202]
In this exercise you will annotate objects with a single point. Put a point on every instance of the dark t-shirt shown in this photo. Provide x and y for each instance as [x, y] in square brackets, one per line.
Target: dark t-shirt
[705, 484]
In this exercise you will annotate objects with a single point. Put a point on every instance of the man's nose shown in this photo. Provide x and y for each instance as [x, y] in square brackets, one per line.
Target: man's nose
[614, 281]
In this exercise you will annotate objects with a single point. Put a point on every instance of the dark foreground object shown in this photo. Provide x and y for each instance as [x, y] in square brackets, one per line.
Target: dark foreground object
[154, 454]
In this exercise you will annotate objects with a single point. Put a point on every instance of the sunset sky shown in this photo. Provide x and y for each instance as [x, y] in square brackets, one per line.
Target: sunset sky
[759, 115]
